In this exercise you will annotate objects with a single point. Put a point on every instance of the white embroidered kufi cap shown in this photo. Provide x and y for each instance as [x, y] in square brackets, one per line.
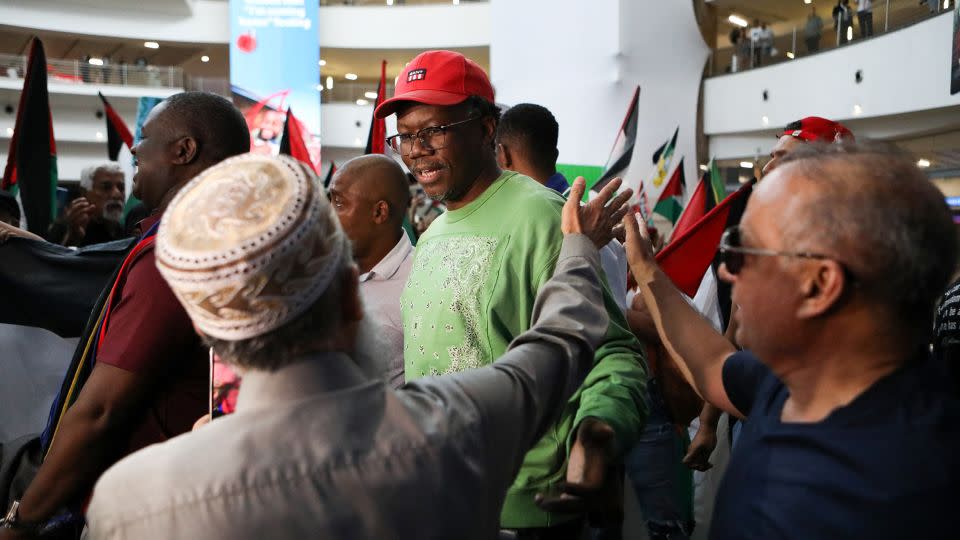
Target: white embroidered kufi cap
[249, 245]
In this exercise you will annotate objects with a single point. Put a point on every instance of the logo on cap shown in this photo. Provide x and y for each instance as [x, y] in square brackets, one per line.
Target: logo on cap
[416, 75]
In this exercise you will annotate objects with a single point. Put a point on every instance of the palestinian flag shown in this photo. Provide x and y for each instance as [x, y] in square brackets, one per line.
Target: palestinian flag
[688, 256]
[710, 191]
[292, 143]
[117, 132]
[377, 137]
[622, 151]
[31, 169]
[662, 158]
[669, 204]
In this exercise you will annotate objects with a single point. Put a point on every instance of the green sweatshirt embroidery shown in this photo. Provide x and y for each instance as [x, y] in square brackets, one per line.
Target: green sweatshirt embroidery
[475, 276]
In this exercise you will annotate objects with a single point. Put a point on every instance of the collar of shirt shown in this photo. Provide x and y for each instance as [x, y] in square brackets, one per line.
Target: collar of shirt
[388, 266]
[148, 222]
[314, 374]
[558, 183]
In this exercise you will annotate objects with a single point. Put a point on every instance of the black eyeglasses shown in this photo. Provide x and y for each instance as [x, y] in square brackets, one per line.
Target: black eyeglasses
[732, 252]
[431, 138]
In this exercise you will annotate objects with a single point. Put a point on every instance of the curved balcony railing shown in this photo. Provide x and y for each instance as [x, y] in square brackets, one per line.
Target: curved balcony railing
[888, 16]
[79, 72]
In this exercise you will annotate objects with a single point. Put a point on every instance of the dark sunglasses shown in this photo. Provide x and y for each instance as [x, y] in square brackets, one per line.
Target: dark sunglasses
[732, 252]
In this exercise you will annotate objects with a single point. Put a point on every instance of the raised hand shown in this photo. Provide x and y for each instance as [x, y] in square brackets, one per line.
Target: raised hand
[597, 219]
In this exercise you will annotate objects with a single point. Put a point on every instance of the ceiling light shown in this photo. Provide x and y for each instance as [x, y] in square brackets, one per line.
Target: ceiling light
[99, 135]
[456, 2]
[151, 44]
[743, 179]
[857, 110]
[739, 21]
[9, 131]
[746, 164]
[923, 163]
[319, 88]
[849, 33]
[389, 2]
[789, 55]
[350, 76]
[204, 59]
[362, 102]
[807, 1]
[95, 61]
[765, 120]
[357, 142]
[329, 83]
[703, 167]
[371, 95]
[946, 4]
[323, 62]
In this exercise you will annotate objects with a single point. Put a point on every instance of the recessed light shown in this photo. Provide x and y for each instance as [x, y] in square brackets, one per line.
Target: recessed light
[9, 131]
[703, 167]
[99, 135]
[319, 88]
[151, 44]
[765, 120]
[204, 59]
[323, 62]
[857, 110]
[739, 21]
[850, 33]
[746, 164]
[370, 95]
[389, 2]
[362, 102]
[329, 83]
[350, 76]
[456, 2]
[95, 61]
[923, 163]
[790, 55]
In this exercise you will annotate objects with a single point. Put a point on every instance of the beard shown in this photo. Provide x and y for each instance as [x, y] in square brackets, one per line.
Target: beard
[112, 211]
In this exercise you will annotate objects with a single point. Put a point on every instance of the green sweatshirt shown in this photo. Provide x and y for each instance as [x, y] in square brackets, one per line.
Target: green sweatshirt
[476, 272]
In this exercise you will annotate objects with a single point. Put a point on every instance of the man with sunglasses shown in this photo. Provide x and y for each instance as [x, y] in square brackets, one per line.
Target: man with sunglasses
[475, 275]
[836, 266]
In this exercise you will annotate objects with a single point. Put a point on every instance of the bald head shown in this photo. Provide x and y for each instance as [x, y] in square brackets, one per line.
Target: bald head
[871, 208]
[371, 196]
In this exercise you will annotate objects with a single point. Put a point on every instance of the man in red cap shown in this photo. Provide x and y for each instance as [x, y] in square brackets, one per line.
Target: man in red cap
[806, 130]
[471, 291]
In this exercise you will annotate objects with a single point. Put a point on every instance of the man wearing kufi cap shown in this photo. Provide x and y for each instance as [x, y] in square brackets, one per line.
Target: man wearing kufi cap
[317, 448]
[475, 276]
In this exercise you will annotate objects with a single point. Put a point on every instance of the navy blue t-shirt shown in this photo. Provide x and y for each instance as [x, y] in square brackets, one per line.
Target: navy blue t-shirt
[884, 466]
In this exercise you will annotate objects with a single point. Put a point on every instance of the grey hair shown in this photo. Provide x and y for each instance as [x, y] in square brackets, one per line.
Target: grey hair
[877, 212]
[88, 173]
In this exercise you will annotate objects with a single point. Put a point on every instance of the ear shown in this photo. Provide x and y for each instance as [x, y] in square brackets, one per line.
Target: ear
[185, 151]
[822, 289]
[351, 307]
[489, 127]
[505, 156]
[381, 212]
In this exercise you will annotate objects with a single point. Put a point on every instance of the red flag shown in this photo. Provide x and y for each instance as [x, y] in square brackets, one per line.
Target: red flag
[32, 158]
[117, 131]
[292, 143]
[686, 258]
[376, 138]
[694, 212]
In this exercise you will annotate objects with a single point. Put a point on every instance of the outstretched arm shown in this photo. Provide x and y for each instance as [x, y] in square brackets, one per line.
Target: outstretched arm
[683, 331]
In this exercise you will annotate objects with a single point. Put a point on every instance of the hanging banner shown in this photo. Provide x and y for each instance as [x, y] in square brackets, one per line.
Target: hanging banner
[274, 65]
[955, 56]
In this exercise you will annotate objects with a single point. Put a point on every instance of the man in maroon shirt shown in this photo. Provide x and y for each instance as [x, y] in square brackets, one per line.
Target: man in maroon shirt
[149, 382]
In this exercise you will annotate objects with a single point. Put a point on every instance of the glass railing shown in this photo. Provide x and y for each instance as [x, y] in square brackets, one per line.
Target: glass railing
[358, 92]
[888, 16]
[79, 72]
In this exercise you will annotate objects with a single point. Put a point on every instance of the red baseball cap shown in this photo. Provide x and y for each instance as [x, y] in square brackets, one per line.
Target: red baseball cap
[815, 128]
[438, 78]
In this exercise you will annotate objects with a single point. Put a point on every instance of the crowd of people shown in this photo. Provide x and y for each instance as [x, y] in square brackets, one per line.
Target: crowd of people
[511, 372]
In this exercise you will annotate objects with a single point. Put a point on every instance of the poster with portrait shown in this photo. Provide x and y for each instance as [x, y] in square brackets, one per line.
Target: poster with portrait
[955, 52]
[274, 65]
